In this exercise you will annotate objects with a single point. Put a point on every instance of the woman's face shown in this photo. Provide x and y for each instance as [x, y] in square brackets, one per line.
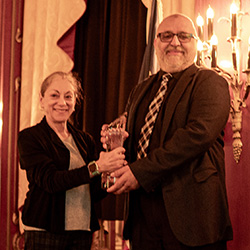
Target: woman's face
[59, 100]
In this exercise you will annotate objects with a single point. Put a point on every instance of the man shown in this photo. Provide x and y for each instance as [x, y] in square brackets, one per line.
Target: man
[176, 184]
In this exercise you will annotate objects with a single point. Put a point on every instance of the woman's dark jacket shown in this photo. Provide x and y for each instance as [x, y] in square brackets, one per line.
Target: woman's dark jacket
[46, 161]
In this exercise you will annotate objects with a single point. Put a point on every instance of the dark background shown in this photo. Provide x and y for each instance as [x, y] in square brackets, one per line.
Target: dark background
[109, 48]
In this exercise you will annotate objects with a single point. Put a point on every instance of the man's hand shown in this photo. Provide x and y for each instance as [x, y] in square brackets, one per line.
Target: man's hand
[125, 181]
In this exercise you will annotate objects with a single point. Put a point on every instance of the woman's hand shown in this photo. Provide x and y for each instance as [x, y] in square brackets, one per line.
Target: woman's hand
[104, 133]
[111, 161]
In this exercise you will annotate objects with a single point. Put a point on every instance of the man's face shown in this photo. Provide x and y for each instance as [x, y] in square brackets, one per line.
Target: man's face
[175, 56]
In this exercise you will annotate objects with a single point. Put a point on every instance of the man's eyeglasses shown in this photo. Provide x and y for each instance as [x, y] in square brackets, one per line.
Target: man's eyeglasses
[183, 37]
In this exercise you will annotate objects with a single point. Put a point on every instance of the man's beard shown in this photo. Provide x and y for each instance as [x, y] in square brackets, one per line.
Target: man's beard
[173, 63]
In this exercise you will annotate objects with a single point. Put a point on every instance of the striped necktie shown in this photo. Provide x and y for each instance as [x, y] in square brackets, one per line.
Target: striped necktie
[151, 116]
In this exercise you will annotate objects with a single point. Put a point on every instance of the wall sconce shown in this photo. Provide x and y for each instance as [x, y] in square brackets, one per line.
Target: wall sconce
[208, 49]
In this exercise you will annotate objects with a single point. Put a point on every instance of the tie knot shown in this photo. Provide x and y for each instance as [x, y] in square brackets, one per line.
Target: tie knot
[166, 77]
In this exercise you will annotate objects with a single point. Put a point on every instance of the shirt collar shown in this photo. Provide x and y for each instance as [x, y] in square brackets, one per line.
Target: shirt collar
[176, 75]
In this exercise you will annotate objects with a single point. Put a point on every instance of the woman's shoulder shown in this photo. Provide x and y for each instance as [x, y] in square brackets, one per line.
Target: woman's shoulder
[37, 130]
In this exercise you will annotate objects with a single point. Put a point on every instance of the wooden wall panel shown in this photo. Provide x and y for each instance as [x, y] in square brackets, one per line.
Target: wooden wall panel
[10, 64]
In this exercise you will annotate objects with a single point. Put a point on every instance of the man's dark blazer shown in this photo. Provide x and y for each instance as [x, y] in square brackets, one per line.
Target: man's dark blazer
[189, 164]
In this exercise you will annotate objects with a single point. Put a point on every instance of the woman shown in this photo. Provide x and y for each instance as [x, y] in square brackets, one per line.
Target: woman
[63, 172]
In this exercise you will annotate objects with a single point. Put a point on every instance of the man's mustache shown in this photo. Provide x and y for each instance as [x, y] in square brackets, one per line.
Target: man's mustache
[174, 49]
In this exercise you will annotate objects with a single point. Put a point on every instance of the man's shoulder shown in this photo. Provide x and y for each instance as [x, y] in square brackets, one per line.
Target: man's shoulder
[212, 74]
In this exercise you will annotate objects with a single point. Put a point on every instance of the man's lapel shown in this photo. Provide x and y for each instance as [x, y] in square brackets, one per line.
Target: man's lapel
[175, 96]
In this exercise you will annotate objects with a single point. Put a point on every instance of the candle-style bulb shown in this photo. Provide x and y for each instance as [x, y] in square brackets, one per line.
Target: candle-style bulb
[233, 8]
[199, 52]
[200, 24]
[233, 12]
[214, 43]
[200, 20]
[210, 12]
[210, 16]
[214, 40]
